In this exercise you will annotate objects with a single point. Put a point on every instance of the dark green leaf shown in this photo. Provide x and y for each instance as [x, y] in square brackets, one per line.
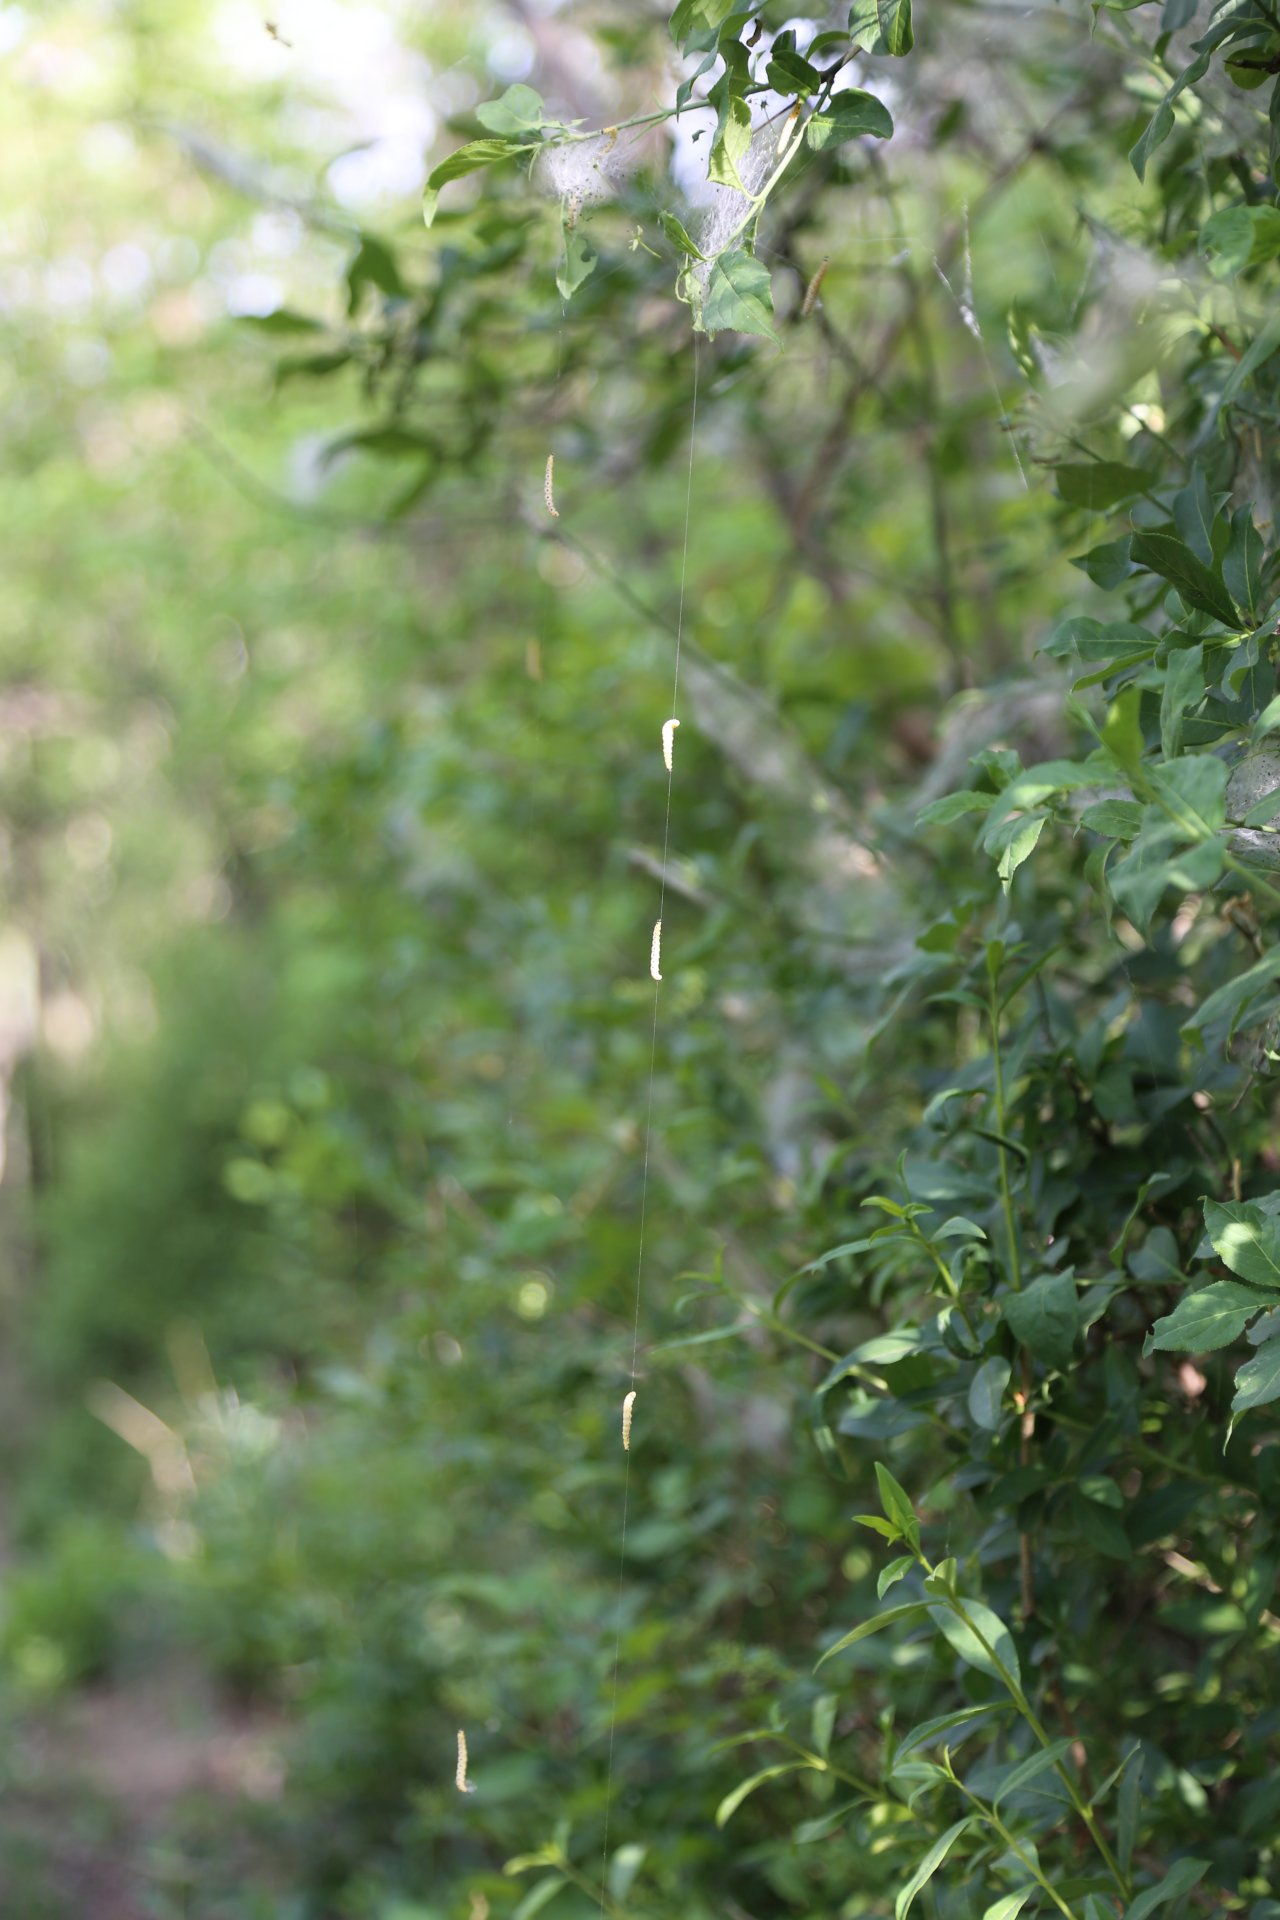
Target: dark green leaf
[1199, 585]
[1099, 484]
[847, 117]
[1045, 1318]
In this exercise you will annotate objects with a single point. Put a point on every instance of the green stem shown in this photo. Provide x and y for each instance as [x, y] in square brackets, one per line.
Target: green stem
[993, 1819]
[1006, 1195]
[1083, 1810]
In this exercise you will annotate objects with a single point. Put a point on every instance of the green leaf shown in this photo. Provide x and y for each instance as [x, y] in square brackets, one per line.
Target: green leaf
[1243, 562]
[953, 806]
[540, 1895]
[1203, 1321]
[1239, 237]
[986, 1393]
[848, 116]
[1179, 1880]
[1199, 585]
[1161, 124]
[476, 153]
[1031, 1768]
[1267, 343]
[890, 1575]
[968, 1643]
[1128, 1804]
[739, 296]
[623, 1868]
[281, 321]
[1245, 1239]
[968, 1718]
[1258, 1381]
[1115, 819]
[897, 1507]
[789, 73]
[825, 1708]
[1100, 484]
[1088, 639]
[928, 1867]
[1194, 789]
[1183, 691]
[578, 264]
[1045, 1318]
[1160, 859]
[732, 1801]
[679, 237]
[1014, 841]
[520, 110]
[913, 1610]
[1232, 999]
[882, 26]
[1011, 1905]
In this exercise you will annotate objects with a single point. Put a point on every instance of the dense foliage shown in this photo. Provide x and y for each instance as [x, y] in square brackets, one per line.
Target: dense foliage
[952, 1505]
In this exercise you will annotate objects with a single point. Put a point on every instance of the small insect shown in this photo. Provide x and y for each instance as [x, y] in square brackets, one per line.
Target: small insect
[276, 34]
[655, 952]
[460, 1779]
[668, 741]
[548, 487]
[812, 291]
[627, 1406]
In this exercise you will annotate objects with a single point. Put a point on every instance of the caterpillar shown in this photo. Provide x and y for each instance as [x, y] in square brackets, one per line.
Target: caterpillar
[627, 1405]
[548, 487]
[655, 952]
[790, 127]
[460, 1779]
[813, 289]
[668, 741]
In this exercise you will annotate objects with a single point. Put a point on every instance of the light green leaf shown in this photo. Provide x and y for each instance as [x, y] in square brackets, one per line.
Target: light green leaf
[1161, 124]
[914, 1610]
[1011, 1906]
[986, 1392]
[882, 26]
[539, 1896]
[1245, 1239]
[928, 1867]
[1258, 1381]
[890, 1575]
[476, 153]
[1206, 1320]
[623, 1868]
[739, 296]
[897, 1507]
[578, 264]
[1179, 1880]
[732, 1801]
[678, 235]
[967, 1639]
[520, 110]
[1031, 1768]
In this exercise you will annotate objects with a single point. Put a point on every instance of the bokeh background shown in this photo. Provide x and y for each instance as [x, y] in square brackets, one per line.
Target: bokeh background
[332, 823]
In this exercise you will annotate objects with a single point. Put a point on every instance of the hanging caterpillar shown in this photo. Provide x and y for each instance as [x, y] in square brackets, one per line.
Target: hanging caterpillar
[460, 1779]
[627, 1405]
[548, 486]
[668, 741]
[813, 289]
[655, 952]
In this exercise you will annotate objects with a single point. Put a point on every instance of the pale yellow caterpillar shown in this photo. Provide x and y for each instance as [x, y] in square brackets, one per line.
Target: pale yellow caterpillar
[790, 127]
[668, 741]
[548, 487]
[627, 1405]
[460, 1779]
[812, 291]
[655, 952]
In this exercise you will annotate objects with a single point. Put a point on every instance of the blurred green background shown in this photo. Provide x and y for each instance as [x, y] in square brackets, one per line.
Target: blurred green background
[333, 808]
